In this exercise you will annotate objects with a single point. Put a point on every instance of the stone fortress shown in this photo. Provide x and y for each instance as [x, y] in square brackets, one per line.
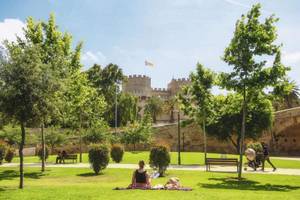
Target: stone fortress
[140, 86]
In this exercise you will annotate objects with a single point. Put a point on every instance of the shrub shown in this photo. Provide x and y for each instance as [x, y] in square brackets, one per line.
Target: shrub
[10, 153]
[256, 146]
[160, 158]
[116, 153]
[98, 157]
[2, 152]
[40, 153]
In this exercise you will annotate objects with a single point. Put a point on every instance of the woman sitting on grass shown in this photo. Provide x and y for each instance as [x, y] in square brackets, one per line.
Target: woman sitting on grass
[140, 178]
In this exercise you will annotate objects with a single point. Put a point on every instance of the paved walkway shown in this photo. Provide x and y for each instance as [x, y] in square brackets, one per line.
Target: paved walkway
[171, 167]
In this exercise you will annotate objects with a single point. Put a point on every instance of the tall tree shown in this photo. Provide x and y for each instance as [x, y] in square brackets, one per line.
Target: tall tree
[252, 41]
[127, 109]
[154, 106]
[84, 107]
[58, 59]
[106, 81]
[196, 98]
[21, 88]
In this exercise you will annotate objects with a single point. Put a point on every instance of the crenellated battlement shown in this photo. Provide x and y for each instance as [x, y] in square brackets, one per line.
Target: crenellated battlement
[159, 90]
[135, 76]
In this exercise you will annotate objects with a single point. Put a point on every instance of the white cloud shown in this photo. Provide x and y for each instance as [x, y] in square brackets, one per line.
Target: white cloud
[9, 28]
[90, 58]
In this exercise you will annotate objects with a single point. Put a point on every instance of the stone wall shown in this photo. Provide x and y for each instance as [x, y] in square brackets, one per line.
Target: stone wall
[283, 138]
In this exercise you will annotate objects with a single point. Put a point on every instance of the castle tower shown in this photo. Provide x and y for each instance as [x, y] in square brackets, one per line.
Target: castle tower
[176, 84]
[138, 85]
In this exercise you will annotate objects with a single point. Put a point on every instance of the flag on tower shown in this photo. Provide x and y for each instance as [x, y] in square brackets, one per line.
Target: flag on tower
[150, 64]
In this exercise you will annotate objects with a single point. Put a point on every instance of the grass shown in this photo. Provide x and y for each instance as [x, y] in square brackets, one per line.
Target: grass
[187, 158]
[71, 183]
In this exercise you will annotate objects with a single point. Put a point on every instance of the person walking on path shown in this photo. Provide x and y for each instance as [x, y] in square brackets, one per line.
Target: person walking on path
[266, 157]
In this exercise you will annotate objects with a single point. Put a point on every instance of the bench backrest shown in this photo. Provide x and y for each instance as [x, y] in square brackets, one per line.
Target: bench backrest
[221, 160]
[71, 156]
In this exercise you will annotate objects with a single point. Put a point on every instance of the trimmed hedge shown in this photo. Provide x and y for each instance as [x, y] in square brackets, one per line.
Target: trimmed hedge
[116, 153]
[98, 157]
[160, 158]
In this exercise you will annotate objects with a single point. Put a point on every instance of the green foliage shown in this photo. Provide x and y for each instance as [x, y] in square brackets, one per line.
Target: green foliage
[97, 134]
[40, 153]
[98, 157]
[116, 153]
[226, 122]
[10, 153]
[127, 109]
[2, 152]
[160, 158]
[106, 81]
[11, 135]
[54, 137]
[154, 106]
[138, 132]
[256, 146]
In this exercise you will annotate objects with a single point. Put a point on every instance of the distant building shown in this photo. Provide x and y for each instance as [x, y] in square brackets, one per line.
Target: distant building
[140, 86]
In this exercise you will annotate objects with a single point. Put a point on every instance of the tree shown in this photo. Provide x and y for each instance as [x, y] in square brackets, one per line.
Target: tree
[54, 137]
[106, 82]
[196, 98]
[11, 135]
[21, 88]
[154, 106]
[138, 132]
[58, 60]
[83, 107]
[160, 158]
[286, 95]
[127, 109]
[169, 106]
[97, 134]
[253, 40]
[226, 121]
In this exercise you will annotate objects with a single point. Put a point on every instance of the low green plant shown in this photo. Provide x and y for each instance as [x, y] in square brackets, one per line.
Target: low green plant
[40, 153]
[256, 146]
[116, 153]
[160, 158]
[98, 157]
[2, 152]
[10, 153]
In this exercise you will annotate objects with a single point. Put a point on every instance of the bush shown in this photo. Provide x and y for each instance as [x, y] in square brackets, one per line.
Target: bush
[2, 152]
[256, 146]
[160, 158]
[10, 153]
[116, 153]
[40, 153]
[98, 157]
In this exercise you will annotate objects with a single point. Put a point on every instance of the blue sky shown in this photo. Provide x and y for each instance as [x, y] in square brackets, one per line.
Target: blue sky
[173, 34]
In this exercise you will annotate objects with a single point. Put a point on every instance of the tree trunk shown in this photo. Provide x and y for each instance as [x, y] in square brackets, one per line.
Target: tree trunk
[241, 143]
[43, 147]
[133, 146]
[21, 185]
[205, 140]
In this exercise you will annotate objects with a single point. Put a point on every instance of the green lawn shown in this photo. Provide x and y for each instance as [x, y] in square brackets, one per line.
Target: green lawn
[188, 158]
[62, 183]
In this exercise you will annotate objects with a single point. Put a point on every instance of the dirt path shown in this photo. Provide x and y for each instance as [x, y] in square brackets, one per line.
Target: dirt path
[171, 167]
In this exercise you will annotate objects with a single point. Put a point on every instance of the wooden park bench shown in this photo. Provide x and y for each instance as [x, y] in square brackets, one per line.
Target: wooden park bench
[72, 157]
[221, 162]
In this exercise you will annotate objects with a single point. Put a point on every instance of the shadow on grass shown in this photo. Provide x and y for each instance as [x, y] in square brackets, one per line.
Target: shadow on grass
[244, 184]
[11, 174]
[89, 174]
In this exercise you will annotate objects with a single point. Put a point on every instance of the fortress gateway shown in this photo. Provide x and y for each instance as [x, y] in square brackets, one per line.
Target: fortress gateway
[140, 86]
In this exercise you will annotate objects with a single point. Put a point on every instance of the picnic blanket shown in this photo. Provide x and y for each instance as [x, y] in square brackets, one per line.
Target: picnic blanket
[177, 189]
